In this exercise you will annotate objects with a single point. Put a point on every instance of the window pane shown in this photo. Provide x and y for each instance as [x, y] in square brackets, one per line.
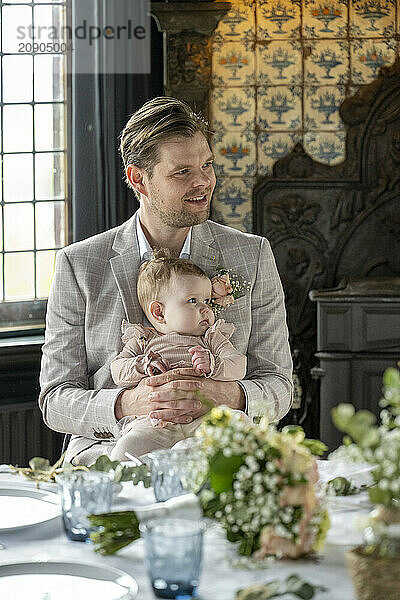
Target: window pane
[18, 226]
[49, 176]
[18, 177]
[19, 276]
[49, 77]
[44, 272]
[17, 78]
[49, 127]
[17, 128]
[15, 17]
[51, 21]
[50, 221]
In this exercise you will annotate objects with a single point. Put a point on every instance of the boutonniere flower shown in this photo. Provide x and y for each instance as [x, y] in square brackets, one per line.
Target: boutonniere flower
[227, 286]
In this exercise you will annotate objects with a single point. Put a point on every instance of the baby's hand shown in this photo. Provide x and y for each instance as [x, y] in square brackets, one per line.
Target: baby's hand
[155, 364]
[200, 360]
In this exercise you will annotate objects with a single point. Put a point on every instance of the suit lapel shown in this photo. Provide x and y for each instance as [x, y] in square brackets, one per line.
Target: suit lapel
[125, 268]
[203, 250]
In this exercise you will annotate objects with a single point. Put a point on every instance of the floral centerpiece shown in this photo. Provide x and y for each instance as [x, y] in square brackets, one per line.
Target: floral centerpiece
[262, 485]
[375, 564]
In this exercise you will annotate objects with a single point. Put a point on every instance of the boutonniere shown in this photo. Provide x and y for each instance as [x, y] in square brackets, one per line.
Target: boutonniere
[227, 286]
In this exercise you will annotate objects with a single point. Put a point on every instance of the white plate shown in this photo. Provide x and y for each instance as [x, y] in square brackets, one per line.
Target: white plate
[24, 506]
[59, 580]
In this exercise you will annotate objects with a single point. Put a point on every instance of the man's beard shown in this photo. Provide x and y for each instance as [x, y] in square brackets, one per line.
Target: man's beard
[172, 218]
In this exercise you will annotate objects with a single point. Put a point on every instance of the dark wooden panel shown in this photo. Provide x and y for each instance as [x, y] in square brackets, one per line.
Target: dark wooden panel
[325, 223]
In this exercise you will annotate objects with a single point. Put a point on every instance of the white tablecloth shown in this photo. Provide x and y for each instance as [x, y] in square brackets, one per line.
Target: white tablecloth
[219, 581]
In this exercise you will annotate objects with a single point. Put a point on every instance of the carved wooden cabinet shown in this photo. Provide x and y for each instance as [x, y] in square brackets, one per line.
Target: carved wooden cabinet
[358, 337]
[330, 222]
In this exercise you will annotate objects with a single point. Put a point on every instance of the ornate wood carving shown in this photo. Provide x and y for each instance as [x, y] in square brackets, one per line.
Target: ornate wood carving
[325, 223]
[187, 28]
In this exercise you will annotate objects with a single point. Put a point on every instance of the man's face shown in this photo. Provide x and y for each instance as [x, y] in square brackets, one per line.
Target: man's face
[180, 188]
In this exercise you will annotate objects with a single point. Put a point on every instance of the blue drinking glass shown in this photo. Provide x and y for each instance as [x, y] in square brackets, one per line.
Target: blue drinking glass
[173, 556]
[83, 493]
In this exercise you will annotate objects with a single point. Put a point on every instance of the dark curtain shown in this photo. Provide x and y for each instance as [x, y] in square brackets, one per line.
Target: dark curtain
[100, 107]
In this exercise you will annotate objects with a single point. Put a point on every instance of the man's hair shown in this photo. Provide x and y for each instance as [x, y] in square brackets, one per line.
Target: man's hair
[156, 121]
[155, 275]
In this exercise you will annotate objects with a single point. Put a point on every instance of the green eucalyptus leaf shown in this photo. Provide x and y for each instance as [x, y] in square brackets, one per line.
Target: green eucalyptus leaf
[103, 463]
[222, 471]
[292, 429]
[341, 416]
[316, 447]
[40, 464]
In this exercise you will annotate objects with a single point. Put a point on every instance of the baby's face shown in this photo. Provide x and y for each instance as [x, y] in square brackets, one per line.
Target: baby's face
[187, 305]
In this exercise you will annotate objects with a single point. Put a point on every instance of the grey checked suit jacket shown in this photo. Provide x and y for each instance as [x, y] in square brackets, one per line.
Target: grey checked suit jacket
[94, 288]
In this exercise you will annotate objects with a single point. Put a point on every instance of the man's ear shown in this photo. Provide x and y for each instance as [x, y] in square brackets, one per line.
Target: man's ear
[156, 310]
[135, 176]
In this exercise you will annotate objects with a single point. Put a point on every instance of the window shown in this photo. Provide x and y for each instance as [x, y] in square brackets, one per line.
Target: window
[33, 159]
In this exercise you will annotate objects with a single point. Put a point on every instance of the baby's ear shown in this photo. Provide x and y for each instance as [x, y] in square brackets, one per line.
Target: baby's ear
[156, 310]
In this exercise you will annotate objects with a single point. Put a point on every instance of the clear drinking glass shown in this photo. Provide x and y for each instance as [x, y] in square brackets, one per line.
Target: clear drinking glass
[83, 493]
[173, 556]
[177, 471]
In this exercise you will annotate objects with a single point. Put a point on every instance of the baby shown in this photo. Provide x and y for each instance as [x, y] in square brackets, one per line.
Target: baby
[175, 296]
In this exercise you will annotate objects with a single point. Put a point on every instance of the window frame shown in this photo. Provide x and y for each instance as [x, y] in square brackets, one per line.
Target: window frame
[27, 317]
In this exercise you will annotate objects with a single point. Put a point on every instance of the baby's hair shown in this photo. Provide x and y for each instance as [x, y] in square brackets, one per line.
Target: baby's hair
[155, 275]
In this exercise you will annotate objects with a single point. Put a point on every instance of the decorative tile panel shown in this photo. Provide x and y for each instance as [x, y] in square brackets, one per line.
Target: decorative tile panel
[279, 107]
[233, 196]
[372, 18]
[325, 19]
[367, 57]
[321, 107]
[279, 63]
[281, 69]
[233, 109]
[238, 23]
[273, 146]
[326, 147]
[233, 64]
[327, 62]
[278, 19]
[235, 154]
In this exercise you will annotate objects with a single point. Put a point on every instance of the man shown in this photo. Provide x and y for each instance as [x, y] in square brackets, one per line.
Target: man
[169, 165]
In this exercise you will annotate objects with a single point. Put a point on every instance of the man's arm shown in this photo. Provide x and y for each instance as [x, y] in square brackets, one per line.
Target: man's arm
[268, 384]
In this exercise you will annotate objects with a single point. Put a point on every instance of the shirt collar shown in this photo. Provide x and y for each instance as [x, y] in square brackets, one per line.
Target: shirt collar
[145, 250]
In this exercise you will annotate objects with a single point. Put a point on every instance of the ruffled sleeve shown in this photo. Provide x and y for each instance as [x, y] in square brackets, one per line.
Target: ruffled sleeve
[136, 331]
[220, 327]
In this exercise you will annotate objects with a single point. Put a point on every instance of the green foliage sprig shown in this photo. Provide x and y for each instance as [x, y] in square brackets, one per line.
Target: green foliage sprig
[294, 585]
[379, 444]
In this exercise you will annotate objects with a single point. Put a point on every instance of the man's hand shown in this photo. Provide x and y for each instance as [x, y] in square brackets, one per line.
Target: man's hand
[174, 397]
[200, 360]
[169, 387]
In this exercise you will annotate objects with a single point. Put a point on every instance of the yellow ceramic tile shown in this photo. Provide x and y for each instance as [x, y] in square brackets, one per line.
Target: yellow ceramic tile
[272, 147]
[327, 63]
[232, 64]
[367, 57]
[279, 107]
[372, 18]
[325, 19]
[325, 146]
[235, 154]
[321, 107]
[238, 24]
[233, 196]
[277, 19]
[233, 108]
[279, 63]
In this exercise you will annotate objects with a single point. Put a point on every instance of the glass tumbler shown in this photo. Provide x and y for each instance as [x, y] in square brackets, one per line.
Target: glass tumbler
[83, 493]
[173, 556]
[177, 471]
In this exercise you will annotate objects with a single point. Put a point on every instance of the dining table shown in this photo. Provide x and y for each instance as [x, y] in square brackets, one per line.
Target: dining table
[222, 574]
